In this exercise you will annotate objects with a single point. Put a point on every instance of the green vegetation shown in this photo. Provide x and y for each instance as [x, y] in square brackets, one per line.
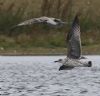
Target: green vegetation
[40, 39]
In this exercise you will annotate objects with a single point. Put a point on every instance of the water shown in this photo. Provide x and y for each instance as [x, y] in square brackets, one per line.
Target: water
[39, 76]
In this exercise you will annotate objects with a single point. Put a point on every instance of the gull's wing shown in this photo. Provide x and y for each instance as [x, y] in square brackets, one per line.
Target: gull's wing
[32, 21]
[74, 41]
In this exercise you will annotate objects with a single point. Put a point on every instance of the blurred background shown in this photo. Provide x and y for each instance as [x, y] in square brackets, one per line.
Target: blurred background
[41, 39]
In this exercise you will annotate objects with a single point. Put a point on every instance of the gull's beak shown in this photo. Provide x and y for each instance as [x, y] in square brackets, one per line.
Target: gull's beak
[66, 23]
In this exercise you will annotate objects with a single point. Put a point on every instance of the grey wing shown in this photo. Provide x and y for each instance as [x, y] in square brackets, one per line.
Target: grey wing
[74, 41]
[29, 22]
[32, 21]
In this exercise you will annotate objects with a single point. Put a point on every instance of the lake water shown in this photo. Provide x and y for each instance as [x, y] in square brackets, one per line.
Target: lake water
[39, 76]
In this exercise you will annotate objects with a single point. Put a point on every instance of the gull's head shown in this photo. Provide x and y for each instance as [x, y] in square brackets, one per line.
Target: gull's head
[53, 22]
[56, 22]
[59, 22]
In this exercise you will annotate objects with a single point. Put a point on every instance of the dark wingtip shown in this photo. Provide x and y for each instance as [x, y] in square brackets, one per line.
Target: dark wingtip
[90, 64]
[63, 67]
[55, 61]
[78, 14]
[77, 17]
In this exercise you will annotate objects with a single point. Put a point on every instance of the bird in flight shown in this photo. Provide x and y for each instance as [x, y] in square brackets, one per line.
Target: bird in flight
[50, 21]
[73, 41]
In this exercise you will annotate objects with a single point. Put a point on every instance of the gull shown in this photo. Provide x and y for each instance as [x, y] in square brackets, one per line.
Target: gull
[42, 20]
[73, 40]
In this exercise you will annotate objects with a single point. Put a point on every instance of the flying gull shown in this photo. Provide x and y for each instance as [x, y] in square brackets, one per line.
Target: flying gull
[74, 49]
[42, 20]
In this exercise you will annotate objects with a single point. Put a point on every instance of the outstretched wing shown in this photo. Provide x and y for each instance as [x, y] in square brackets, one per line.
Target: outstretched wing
[74, 41]
[31, 21]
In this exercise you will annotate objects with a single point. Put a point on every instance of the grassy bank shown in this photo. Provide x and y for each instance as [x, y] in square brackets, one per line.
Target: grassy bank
[27, 46]
[40, 39]
[89, 50]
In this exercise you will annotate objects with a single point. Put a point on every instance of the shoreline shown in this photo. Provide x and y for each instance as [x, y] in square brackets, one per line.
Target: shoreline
[41, 51]
[35, 54]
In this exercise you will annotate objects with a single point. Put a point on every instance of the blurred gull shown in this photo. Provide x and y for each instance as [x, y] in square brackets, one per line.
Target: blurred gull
[74, 48]
[43, 20]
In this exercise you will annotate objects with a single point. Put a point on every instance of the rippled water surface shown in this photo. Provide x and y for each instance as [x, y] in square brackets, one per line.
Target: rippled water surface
[39, 76]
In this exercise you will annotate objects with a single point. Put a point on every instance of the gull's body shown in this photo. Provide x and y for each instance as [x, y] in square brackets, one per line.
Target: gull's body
[43, 20]
[74, 48]
[69, 63]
